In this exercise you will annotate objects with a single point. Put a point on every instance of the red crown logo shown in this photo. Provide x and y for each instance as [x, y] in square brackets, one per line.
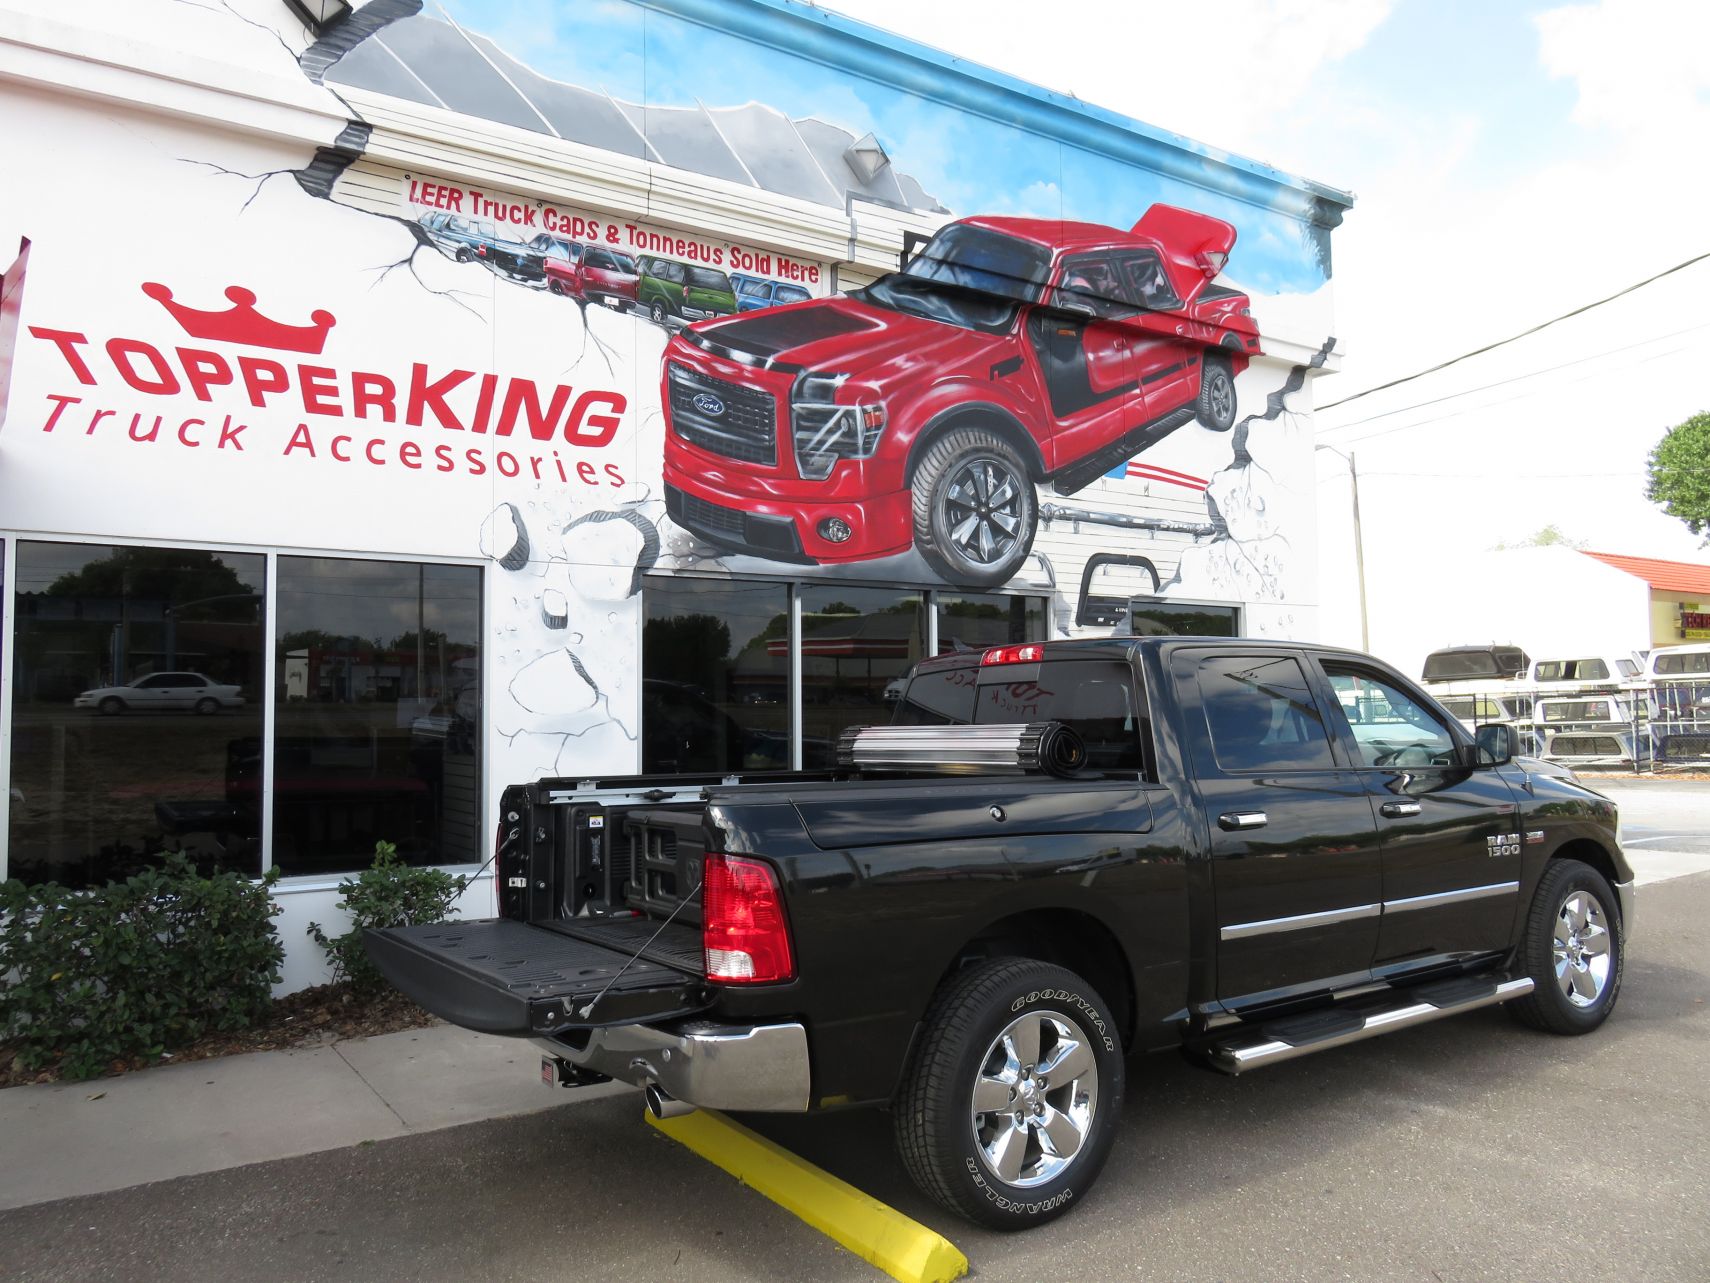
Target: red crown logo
[243, 324]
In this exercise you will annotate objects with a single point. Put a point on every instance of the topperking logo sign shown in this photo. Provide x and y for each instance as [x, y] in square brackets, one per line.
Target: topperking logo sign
[264, 386]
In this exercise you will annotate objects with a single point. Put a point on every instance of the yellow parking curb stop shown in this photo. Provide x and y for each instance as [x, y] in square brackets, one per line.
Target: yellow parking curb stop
[903, 1248]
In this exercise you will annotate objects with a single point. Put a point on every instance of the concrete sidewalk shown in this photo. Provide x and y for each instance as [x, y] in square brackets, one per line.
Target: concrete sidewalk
[66, 1139]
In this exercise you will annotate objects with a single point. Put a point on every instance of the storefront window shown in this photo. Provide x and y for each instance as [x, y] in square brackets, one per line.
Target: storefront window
[974, 621]
[715, 691]
[857, 643]
[136, 683]
[377, 699]
[1184, 619]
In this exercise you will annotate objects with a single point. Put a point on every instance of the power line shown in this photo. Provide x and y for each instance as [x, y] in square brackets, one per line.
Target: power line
[1542, 325]
[1485, 387]
[1488, 405]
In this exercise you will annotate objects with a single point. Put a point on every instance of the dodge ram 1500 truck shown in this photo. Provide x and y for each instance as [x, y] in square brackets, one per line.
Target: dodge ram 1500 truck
[1249, 850]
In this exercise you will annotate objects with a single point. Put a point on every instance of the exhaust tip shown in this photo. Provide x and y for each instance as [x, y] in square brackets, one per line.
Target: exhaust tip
[661, 1104]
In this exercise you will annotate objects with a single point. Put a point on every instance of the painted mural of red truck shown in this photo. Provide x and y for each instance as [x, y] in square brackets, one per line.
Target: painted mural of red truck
[924, 410]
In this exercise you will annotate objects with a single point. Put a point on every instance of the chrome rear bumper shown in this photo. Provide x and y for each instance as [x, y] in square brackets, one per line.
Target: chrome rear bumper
[761, 1068]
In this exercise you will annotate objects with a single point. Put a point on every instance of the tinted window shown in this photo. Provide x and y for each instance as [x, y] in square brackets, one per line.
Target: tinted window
[790, 294]
[708, 278]
[100, 786]
[855, 643]
[939, 698]
[755, 289]
[1144, 283]
[597, 258]
[974, 621]
[377, 715]
[715, 663]
[1088, 281]
[1183, 619]
[1096, 697]
[1261, 714]
[976, 258]
[1389, 726]
[625, 262]
[1499, 662]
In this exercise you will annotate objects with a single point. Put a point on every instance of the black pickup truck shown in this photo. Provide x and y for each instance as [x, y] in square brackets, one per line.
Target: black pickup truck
[1058, 855]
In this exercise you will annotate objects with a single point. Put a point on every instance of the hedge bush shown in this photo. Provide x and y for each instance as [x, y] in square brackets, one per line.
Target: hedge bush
[134, 968]
[389, 893]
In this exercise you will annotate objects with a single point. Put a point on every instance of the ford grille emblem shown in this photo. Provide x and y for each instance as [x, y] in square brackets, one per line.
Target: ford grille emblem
[708, 404]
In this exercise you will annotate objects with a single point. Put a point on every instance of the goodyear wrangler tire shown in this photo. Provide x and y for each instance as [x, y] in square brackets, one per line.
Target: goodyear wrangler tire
[975, 508]
[1010, 1103]
[1215, 408]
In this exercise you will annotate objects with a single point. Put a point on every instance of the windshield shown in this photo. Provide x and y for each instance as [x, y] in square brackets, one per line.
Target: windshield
[988, 262]
[970, 277]
[900, 292]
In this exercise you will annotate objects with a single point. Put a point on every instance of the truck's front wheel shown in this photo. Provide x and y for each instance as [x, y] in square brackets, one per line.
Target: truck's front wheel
[1011, 1100]
[975, 509]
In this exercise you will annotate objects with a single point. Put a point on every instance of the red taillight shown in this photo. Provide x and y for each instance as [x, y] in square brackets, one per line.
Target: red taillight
[1031, 653]
[742, 923]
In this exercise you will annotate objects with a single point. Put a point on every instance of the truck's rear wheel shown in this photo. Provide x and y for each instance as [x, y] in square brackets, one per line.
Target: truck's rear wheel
[1216, 405]
[975, 509]
[1011, 1100]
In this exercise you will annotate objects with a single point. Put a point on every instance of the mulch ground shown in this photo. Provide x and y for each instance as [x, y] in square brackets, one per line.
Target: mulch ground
[307, 1018]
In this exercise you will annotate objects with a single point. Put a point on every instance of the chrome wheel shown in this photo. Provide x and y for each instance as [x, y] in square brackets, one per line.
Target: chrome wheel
[1581, 949]
[1034, 1099]
[983, 509]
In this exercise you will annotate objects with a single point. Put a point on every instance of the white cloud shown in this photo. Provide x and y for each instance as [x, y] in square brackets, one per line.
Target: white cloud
[1220, 76]
[1639, 65]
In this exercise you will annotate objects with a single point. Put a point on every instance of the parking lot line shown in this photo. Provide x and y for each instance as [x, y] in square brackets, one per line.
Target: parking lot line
[903, 1248]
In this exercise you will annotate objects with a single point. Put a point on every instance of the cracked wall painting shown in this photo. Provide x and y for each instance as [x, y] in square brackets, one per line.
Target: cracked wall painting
[316, 348]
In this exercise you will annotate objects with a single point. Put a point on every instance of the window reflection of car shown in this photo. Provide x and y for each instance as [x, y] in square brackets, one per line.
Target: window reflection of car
[190, 692]
[756, 292]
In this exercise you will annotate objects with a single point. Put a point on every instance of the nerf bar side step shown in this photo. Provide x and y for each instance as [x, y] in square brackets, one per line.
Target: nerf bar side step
[1277, 1041]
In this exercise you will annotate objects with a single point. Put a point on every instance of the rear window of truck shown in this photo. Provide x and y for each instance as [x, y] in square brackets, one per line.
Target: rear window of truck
[1096, 697]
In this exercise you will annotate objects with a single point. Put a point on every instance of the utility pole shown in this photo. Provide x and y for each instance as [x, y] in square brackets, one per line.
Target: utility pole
[1359, 545]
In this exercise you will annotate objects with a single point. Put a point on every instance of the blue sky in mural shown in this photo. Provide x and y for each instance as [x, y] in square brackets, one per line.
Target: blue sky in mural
[971, 165]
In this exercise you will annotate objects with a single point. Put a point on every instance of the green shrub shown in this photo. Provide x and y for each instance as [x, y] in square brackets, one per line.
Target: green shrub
[389, 893]
[134, 968]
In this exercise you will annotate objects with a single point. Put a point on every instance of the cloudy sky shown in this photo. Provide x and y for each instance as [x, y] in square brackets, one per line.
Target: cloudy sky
[1512, 162]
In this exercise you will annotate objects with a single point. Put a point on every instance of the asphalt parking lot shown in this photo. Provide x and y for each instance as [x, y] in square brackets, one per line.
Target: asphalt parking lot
[1470, 1149]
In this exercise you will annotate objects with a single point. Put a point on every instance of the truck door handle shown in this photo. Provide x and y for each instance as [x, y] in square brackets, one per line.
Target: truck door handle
[1233, 820]
[1398, 810]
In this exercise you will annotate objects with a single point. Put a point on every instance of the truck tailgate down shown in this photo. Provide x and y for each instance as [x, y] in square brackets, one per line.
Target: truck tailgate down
[505, 977]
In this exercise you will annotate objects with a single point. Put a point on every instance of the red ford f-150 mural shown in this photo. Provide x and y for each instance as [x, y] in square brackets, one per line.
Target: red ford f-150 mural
[924, 409]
